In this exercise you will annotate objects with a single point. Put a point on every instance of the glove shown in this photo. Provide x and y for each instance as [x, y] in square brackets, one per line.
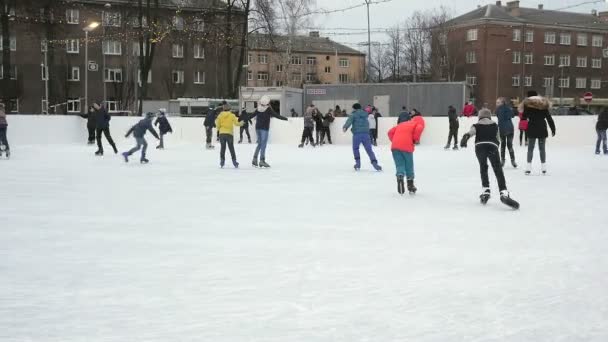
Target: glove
[344, 130]
[126, 135]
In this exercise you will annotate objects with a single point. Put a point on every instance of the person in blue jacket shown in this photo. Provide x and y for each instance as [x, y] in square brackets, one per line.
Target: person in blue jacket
[505, 115]
[358, 120]
[139, 130]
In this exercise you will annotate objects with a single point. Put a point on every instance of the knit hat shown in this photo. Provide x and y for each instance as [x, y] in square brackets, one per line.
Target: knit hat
[357, 106]
[485, 114]
[532, 93]
[264, 102]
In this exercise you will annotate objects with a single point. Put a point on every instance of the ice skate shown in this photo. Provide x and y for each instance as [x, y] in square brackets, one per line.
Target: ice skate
[376, 166]
[514, 164]
[505, 197]
[301, 146]
[400, 185]
[502, 163]
[544, 168]
[485, 196]
[7, 154]
[235, 164]
[447, 147]
[99, 153]
[598, 152]
[411, 188]
[240, 141]
[90, 142]
[143, 160]
[160, 147]
[125, 155]
[209, 146]
[254, 163]
[528, 169]
[222, 163]
[264, 164]
[455, 148]
[357, 164]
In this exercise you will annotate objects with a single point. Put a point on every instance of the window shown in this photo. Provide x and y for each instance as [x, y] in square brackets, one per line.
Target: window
[471, 35]
[310, 77]
[343, 78]
[199, 51]
[548, 82]
[112, 47]
[443, 38]
[262, 76]
[528, 58]
[581, 62]
[178, 23]
[278, 83]
[111, 19]
[443, 61]
[263, 59]
[178, 51]
[13, 105]
[249, 59]
[344, 63]
[597, 41]
[328, 70]
[527, 81]
[249, 75]
[199, 25]
[113, 75]
[529, 36]
[549, 37]
[311, 60]
[471, 80]
[279, 67]
[113, 106]
[72, 16]
[199, 77]
[13, 43]
[45, 106]
[564, 60]
[565, 38]
[581, 39]
[517, 35]
[73, 46]
[549, 59]
[515, 81]
[516, 57]
[44, 46]
[73, 105]
[44, 72]
[471, 57]
[296, 60]
[581, 83]
[144, 21]
[136, 48]
[13, 72]
[564, 82]
[596, 63]
[74, 74]
[139, 76]
[596, 84]
[177, 76]
[296, 76]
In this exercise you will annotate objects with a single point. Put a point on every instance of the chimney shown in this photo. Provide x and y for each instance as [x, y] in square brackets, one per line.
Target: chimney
[541, 7]
[513, 8]
[603, 16]
[314, 34]
[499, 3]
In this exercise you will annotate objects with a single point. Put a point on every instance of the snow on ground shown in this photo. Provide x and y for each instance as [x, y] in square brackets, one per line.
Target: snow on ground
[94, 250]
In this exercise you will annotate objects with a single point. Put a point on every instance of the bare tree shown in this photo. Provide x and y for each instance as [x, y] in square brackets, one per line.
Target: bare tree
[148, 24]
[379, 62]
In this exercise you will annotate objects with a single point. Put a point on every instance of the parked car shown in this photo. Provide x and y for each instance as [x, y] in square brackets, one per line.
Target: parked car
[570, 111]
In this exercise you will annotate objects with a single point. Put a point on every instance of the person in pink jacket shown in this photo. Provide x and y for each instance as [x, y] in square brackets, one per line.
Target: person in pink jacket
[469, 110]
[404, 137]
[523, 129]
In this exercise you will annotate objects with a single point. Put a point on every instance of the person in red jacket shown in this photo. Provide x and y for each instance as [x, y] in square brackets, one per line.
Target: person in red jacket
[404, 137]
[523, 129]
[469, 110]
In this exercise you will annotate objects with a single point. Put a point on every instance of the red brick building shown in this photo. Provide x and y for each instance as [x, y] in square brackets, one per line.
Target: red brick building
[506, 50]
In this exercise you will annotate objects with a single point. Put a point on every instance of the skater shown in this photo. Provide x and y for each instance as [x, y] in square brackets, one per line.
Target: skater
[327, 120]
[536, 110]
[225, 123]
[469, 110]
[337, 112]
[3, 129]
[403, 139]
[486, 148]
[293, 115]
[404, 115]
[262, 125]
[102, 125]
[209, 124]
[373, 125]
[164, 127]
[318, 119]
[359, 121]
[523, 129]
[505, 115]
[454, 125]
[139, 131]
[309, 125]
[601, 126]
[244, 117]
[90, 116]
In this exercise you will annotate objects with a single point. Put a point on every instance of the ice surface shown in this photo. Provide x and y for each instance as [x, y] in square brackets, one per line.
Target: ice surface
[94, 250]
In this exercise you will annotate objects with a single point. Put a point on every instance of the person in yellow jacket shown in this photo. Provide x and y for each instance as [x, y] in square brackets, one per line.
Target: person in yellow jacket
[225, 123]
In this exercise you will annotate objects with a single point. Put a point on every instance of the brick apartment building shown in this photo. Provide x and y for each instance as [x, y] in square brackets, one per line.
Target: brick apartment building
[506, 50]
[187, 62]
[294, 61]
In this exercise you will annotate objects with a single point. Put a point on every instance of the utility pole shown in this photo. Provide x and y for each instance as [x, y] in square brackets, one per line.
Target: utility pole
[369, 44]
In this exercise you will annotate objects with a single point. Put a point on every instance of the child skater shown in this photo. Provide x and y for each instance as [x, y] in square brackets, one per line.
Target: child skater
[404, 137]
[486, 148]
[360, 128]
[3, 128]
[600, 127]
[225, 123]
[164, 127]
[139, 130]
[309, 126]
[523, 129]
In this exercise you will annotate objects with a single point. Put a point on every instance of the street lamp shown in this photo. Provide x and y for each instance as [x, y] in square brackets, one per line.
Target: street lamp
[92, 26]
[498, 60]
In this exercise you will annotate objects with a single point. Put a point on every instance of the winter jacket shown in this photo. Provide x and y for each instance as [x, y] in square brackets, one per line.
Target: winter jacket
[523, 123]
[245, 118]
[372, 121]
[308, 121]
[316, 116]
[601, 125]
[403, 117]
[505, 116]
[163, 124]
[3, 122]
[263, 118]
[536, 110]
[102, 118]
[140, 129]
[90, 116]
[405, 135]
[327, 119]
[469, 110]
[485, 132]
[453, 118]
[210, 118]
[359, 122]
[226, 121]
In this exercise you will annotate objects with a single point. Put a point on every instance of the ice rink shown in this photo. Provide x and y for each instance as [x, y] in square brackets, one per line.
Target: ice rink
[95, 250]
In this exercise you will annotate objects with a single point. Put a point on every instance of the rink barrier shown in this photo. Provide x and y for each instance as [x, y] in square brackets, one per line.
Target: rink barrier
[50, 129]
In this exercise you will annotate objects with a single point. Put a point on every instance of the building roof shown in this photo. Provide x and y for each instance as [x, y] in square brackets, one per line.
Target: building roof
[531, 16]
[184, 4]
[299, 44]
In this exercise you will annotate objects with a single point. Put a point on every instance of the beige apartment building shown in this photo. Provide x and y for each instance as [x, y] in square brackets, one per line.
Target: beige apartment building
[298, 60]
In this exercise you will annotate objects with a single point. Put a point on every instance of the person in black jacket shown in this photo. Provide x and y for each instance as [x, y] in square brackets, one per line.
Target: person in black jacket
[601, 126]
[454, 125]
[209, 123]
[536, 111]
[102, 125]
[164, 127]
[139, 131]
[327, 120]
[244, 117]
[91, 124]
[318, 119]
[262, 125]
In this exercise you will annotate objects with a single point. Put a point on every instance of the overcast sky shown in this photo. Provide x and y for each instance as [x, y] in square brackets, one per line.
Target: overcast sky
[391, 13]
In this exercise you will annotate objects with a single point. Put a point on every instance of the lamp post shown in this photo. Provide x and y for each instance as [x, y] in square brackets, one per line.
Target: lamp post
[86, 30]
[369, 45]
[498, 60]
